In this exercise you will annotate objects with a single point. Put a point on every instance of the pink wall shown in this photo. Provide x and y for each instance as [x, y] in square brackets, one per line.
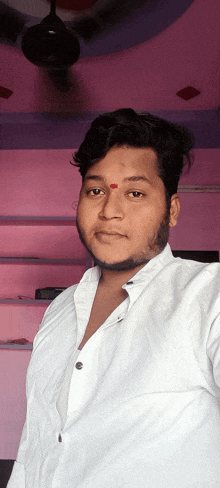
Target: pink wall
[13, 367]
[37, 183]
[42, 182]
[198, 224]
[32, 183]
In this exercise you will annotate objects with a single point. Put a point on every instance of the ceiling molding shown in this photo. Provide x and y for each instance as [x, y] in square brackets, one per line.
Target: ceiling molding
[66, 131]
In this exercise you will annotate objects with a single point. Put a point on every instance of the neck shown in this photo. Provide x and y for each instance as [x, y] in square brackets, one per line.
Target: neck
[116, 279]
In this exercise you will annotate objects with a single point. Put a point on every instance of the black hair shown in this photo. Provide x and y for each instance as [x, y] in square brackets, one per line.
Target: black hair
[171, 142]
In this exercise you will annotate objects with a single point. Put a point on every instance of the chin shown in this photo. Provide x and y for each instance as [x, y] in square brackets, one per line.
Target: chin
[125, 265]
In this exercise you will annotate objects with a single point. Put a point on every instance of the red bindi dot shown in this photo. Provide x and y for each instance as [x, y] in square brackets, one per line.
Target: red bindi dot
[113, 185]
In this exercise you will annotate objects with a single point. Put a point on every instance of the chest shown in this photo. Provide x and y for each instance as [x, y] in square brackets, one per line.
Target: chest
[104, 304]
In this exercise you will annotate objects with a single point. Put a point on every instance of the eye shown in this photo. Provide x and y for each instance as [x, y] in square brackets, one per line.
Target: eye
[136, 194]
[94, 191]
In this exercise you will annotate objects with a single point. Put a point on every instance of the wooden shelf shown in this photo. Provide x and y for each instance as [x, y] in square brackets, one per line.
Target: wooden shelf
[17, 301]
[16, 346]
[40, 261]
[87, 263]
[198, 189]
[36, 220]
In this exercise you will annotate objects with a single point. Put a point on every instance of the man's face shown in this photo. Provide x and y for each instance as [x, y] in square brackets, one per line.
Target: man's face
[125, 225]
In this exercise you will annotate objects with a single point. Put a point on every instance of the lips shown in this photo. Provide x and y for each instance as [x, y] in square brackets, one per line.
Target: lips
[106, 236]
[110, 233]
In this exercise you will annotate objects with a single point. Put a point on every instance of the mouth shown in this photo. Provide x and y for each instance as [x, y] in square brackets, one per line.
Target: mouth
[105, 235]
[109, 233]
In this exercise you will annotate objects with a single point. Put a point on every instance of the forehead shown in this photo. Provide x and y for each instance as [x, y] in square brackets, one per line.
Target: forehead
[126, 160]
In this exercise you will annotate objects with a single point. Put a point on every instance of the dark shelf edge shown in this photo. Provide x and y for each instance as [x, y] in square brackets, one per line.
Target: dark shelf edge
[37, 220]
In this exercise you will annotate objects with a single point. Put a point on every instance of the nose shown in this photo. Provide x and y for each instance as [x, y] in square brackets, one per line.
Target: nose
[111, 207]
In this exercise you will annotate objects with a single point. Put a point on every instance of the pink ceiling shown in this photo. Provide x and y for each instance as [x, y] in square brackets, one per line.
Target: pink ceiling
[145, 77]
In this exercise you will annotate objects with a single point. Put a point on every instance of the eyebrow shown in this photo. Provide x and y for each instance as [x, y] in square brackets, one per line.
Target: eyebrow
[129, 178]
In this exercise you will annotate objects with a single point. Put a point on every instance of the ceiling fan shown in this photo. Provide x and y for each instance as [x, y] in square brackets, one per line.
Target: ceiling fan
[51, 44]
[54, 44]
[106, 26]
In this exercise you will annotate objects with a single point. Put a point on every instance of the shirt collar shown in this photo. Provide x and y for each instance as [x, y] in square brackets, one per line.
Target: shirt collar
[154, 265]
[148, 271]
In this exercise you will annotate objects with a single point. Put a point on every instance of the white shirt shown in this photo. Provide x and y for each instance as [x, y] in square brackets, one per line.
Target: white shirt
[143, 410]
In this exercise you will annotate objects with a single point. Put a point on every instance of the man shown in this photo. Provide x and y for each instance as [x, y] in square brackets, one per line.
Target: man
[124, 379]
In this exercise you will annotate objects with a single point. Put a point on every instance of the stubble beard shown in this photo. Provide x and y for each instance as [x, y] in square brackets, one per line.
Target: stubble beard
[156, 244]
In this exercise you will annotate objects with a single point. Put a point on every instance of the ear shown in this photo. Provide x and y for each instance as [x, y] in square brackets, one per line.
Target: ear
[174, 210]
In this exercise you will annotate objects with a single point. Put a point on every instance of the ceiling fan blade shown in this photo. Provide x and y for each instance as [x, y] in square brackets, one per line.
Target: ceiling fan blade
[64, 96]
[12, 23]
[61, 79]
[102, 16]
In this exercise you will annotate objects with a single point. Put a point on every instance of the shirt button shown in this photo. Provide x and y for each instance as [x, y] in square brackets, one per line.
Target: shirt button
[79, 365]
[59, 438]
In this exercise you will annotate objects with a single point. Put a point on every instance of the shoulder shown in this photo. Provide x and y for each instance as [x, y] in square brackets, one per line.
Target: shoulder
[196, 279]
[62, 304]
[65, 298]
[196, 268]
